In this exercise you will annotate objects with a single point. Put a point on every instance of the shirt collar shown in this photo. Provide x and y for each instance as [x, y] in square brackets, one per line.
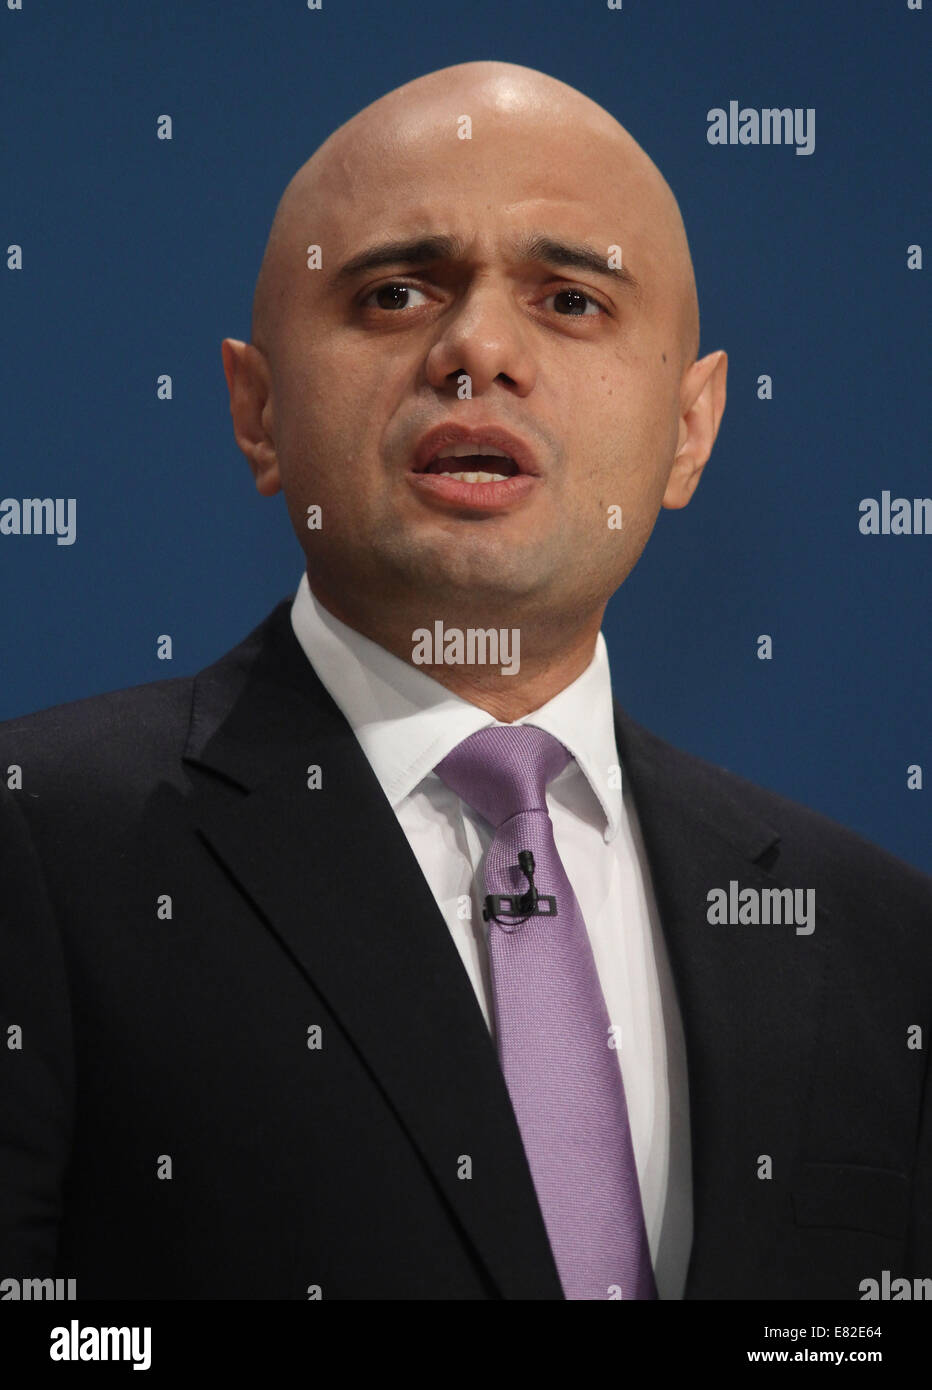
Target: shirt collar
[406, 722]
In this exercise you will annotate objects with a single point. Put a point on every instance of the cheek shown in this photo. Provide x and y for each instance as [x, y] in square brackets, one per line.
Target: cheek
[624, 450]
[646, 424]
[313, 421]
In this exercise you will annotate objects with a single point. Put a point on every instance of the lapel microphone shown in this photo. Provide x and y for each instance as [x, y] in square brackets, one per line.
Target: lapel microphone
[528, 904]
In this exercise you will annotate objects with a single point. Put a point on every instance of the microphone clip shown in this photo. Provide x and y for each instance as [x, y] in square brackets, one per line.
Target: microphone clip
[521, 906]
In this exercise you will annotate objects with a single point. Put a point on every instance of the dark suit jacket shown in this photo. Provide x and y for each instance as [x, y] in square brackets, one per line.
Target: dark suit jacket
[146, 1037]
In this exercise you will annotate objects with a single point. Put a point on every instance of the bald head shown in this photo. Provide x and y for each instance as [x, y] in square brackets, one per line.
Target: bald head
[497, 271]
[380, 148]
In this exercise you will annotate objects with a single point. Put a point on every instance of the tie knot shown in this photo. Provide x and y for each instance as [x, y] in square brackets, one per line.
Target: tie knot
[504, 769]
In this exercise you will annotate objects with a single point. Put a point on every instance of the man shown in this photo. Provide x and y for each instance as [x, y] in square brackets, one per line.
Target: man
[262, 1040]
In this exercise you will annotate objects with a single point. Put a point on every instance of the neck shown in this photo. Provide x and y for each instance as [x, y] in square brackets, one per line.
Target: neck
[508, 672]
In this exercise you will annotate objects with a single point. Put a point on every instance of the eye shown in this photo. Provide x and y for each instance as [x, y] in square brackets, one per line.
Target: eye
[574, 304]
[393, 296]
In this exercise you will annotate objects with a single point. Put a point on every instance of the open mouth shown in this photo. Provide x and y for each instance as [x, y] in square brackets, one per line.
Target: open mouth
[476, 455]
[473, 463]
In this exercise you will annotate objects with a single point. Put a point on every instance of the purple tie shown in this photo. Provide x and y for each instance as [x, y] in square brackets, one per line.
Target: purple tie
[552, 1025]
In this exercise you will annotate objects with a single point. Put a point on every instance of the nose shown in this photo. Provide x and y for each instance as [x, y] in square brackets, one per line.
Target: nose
[486, 339]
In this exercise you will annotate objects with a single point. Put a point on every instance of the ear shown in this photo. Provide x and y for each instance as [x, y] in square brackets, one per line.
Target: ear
[702, 404]
[250, 384]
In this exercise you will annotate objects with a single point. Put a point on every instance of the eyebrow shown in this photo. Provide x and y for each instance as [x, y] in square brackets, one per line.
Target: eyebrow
[536, 247]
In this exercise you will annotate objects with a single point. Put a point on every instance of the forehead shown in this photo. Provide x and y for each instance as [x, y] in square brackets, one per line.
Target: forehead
[538, 171]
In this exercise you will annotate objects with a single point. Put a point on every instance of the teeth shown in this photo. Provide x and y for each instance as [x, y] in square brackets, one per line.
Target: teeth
[462, 451]
[476, 477]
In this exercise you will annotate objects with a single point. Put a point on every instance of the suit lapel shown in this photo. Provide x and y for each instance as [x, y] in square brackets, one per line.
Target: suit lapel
[333, 877]
[750, 998]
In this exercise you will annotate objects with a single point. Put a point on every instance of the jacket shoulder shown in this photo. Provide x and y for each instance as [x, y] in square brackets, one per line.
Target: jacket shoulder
[119, 725]
[811, 845]
[138, 730]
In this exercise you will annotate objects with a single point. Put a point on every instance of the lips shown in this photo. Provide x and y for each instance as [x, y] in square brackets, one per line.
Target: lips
[519, 455]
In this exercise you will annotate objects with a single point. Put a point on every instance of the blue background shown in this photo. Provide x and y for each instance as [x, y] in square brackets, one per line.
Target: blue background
[140, 255]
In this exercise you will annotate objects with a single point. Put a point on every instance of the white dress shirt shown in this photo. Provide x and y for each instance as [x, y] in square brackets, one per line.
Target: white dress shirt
[406, 722]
